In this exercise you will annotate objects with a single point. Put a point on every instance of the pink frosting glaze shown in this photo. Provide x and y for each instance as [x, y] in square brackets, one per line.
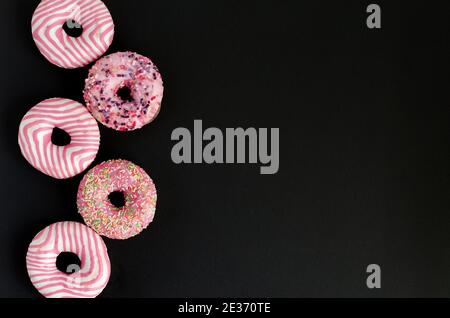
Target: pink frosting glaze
[72, 52]
[108, 79]
[105, 218]
[93, 274]
[35, 137]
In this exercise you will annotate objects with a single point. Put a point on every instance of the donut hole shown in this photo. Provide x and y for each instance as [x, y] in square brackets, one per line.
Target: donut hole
[124, 93]
[73, 28]
[60, 137]
[68, 262]
[117, 198]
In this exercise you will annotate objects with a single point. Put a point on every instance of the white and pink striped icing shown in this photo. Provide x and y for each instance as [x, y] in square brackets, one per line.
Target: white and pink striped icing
[76, 238]
[35, 134]
[63, 50]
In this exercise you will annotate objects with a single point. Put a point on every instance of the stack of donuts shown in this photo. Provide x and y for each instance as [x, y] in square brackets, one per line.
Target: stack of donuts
[123, 91]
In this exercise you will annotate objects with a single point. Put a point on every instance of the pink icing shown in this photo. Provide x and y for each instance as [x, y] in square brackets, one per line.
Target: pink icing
[77, 238]
[35, 134]
[105, 218]
[72, 52]
[112, 73]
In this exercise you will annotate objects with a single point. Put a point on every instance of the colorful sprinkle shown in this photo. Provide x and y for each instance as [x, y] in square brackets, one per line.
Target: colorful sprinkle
[105, 218]
[106, 81]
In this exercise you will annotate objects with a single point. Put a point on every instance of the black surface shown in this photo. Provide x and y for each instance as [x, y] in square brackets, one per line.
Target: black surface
[364, 159]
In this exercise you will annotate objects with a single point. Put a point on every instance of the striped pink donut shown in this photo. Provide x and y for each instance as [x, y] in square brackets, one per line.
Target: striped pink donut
[93, 274]
[67, 51]
[35, 137]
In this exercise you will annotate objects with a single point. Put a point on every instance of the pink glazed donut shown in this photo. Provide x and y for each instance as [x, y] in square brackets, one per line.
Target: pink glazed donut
[72, 33]
[124, 91]
[104, 217]
[35, 138]
[86, 281]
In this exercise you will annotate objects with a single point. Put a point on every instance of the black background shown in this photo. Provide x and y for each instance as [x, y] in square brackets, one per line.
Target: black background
[364, 150]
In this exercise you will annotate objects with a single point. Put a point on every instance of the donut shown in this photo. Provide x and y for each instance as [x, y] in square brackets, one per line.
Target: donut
[35, 137]
[107, 219]
[72, 33]
[124, 91]
[86, 281]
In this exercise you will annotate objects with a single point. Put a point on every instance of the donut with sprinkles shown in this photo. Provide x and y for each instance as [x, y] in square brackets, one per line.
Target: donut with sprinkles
[109, 219]
[124, 91]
